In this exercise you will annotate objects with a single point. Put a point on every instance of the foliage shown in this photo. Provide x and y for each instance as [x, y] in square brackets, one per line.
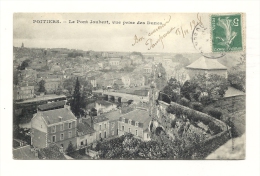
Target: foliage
[115, 86]
[181, 59]
[196, 106]
[75, 54]
[214, 128]
[42, 86]
[69, 84]
[184, 101]
[171, 90]
[237, 79]
[211, 85]
[70, 148]
[24, 65]
[187, 90]
[217, 113]
[159, 77]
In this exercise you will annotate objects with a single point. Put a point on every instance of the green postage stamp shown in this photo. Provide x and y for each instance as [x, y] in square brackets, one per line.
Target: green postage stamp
[226, 33]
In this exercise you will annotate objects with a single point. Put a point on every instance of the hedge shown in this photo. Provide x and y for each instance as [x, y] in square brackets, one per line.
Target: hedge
[195, 115]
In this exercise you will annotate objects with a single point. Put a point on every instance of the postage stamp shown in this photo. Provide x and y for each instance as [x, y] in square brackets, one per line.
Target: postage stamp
[226, 33]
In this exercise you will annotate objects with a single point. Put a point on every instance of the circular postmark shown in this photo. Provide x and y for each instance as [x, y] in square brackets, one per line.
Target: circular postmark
[202, 42]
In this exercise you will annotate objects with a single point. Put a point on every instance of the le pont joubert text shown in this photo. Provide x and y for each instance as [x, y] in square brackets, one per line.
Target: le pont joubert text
[113, 22]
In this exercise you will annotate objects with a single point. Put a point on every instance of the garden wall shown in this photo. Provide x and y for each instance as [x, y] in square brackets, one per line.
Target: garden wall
[209, 145]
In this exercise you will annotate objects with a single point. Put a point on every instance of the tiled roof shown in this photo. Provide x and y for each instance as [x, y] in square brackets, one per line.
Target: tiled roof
[51, 105]
[85, 128]
[206, 64]
[113, 115]
[53, 116]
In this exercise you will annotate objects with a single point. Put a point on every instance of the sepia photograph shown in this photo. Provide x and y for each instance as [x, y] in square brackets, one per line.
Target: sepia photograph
[122, 86]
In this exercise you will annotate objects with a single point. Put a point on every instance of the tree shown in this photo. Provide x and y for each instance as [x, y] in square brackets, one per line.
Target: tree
[70, 148]
[172, 90]
[187, 90]
[160, 77]
[42, 86]
[211, 85]
[24, 65]
[76, 102]
[180, 58]
[115, 86]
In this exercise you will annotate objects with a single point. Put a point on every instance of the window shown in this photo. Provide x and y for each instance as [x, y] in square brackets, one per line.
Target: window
[113, 125]
[105, 125]
[69, 125]
[136, 124]
[53, 129]
[81, 143]
[129, 121]
[147, 135]
[113, 133]
[105, 134]
[123, 128]
[61, 127]
[129, 130]
[123, 120]
[100, 126]
[61, 136]
[136, 132]
[53, 138]
[70, 134]
[100, 136]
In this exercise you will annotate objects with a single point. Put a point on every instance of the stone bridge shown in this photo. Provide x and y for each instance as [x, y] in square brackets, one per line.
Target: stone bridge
[117, 96]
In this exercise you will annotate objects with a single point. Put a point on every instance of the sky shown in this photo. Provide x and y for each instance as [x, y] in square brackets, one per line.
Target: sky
[108, 37]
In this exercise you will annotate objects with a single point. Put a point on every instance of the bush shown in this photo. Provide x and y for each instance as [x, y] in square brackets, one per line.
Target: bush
[214, 112]
[173, 123]
[214, 128]
[184, 102]
[196, 106]
[205, 100]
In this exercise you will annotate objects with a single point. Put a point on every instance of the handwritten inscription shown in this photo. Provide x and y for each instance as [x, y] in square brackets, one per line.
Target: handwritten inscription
[181, 31]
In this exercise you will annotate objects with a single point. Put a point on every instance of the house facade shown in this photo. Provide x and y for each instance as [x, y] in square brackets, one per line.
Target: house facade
[85, 134]
[104, 106]
[53, 126]
[135, 122]
[23, 92]
[126, 80]
[100, 124]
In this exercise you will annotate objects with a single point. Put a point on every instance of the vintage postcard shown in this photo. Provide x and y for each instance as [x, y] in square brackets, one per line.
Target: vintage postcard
[120, 86]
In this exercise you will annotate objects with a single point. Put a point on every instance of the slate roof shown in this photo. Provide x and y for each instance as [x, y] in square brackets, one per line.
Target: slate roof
[53, 116]
[207, 64]
[139, 115]
[48, 106]
[85, 128]
[97, 119]
[232, 92]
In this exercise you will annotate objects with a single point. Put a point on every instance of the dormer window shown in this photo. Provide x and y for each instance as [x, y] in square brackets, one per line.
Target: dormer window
[136, 124]
[123, 120]
[53, 129]
[129, 121]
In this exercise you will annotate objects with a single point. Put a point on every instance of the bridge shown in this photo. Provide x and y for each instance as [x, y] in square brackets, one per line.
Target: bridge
[117, 96]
